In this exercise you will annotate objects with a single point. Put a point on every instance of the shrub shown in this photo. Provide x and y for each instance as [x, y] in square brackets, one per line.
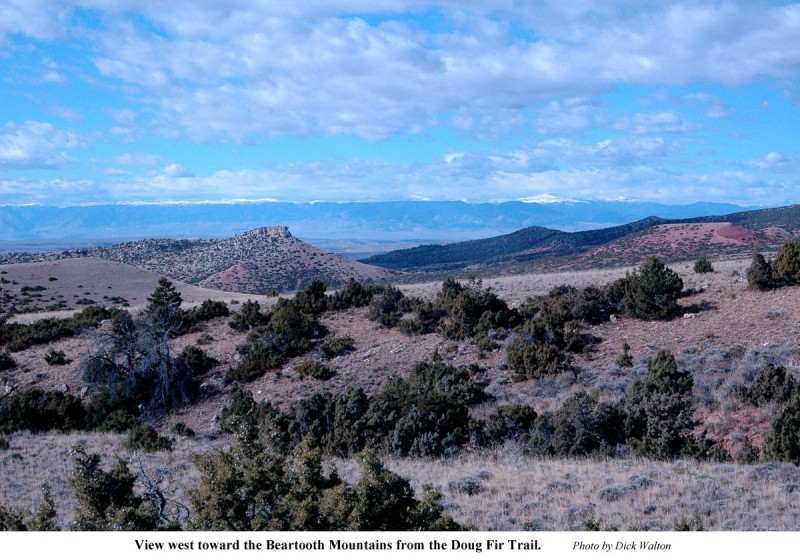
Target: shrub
[107, 500]
[19, 337]
[749, 454]
[55, 357]
[197, 360]
[388, 306]
[759, 273]
[256, 489]
[652, 291]
[312, 299]
[583, 426]
[206, 311]
[541, 346]
[783, 441]
[144, 437]
[771, 384]
[703, 266]
[470, 309]
[659, 416]
[315, 369]
[786, 265]
[39, 411]
[508, 422]
[248, 316]
[337, 346]
[625, 359]
[181, 429]
[354, 294]
[6, 361]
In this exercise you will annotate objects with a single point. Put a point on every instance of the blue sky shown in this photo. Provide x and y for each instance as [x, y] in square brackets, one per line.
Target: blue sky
[359, 100]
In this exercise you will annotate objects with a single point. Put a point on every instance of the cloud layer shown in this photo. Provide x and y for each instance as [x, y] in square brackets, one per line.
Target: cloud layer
[588, 99]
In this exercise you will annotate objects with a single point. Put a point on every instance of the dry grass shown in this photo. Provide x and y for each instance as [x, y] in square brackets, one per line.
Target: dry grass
[505, 491]
[500, 490]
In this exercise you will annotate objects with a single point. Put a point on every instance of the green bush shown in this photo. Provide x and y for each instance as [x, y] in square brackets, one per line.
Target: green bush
[508, 422]
[625, 359]
[652, 291]
[469, 309]
[182, 430]
[541, 346]
[249, 316]
[312, 298]
[255, 488]
[337, 346]
[18, 337]
[144, 437]
[771, 384]
[783, 440]
[107, 501]
[55, 357]
[206, 311]
[584, 426]
[288, 333]
[659, 415]
[786, 265]
[197, 360]
[703, 266]
[6, 361]
[354, 294]
[315, 369]
[39, 411]
[388, 306]
[759, 273]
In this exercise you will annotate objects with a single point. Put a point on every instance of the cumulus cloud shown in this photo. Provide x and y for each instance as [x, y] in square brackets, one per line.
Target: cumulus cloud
[36, 145]
[235, 69]
[655, 123]
[177, 170]
[775, 161]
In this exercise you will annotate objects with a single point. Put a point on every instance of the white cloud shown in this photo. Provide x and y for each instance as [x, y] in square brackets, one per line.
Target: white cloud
[36, 145]
[663, 122]
[178, 171]
[775, 161]
[235, 69]
[139, 159]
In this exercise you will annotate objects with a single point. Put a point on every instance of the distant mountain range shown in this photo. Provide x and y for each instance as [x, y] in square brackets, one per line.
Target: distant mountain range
[543, 248]
[323, 223]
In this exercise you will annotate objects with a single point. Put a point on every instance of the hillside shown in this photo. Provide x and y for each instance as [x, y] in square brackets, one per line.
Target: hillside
[545, 249]
[256, 262]
[724, 335]
[529, 244]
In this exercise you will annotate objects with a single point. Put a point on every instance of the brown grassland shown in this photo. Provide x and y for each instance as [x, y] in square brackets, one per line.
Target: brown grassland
[723, 335]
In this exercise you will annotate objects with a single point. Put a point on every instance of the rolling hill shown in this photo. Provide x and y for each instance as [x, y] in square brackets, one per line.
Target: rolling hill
[258, 262]
[539, 248]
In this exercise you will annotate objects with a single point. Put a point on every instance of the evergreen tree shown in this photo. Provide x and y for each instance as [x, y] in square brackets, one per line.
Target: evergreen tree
[652, 291]
[759, 273]
[164, 305]
[659, 416]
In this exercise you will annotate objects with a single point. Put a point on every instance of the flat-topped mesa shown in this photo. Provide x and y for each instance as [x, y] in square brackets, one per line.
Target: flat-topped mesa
[271, 231]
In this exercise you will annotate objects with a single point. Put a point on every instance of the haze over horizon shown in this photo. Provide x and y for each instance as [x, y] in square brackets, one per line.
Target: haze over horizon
[142, 101]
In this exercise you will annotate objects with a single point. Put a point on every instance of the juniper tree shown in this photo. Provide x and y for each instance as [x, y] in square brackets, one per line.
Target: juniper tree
[652, 291]
[659, 415]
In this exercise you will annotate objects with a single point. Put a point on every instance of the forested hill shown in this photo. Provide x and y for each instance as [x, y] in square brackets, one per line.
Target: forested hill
[524, 245]
[669, 238]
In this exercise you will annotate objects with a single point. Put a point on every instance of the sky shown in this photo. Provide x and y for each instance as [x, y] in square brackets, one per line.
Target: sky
[150, 101]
